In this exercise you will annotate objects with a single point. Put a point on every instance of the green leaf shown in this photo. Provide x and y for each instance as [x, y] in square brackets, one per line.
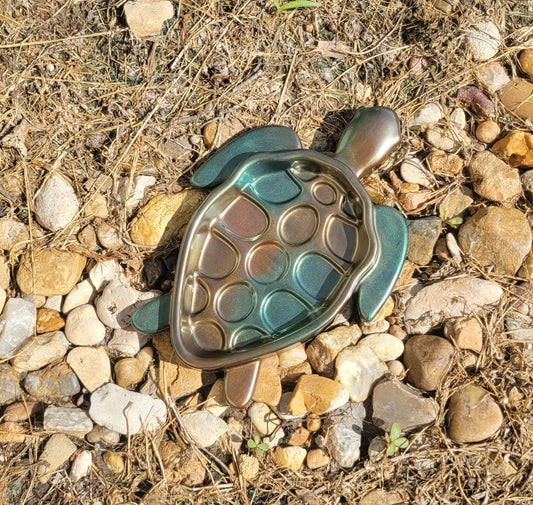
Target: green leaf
[257, 440]
[297, 4]
[263, 446]
[441, 211]
[401, 442]
[391, 449]
[251, 444]
[395, 431]
[276, 3]
[259, 451]
[455, 221]
[387, 438]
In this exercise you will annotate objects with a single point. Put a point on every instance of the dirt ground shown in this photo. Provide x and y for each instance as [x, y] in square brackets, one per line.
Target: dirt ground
[102, 104]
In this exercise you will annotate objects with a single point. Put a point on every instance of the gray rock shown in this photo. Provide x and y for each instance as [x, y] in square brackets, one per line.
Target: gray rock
[433, 304]
[203, 427]
[423, 235]
[67, 420]
[44, 349]
[125, 411]
[395, 402]
[9, 385]
[56, 452]
[344, 436]
[527, 183]
[17, 323]
[56, 203]
[53, 383]
[520, 327]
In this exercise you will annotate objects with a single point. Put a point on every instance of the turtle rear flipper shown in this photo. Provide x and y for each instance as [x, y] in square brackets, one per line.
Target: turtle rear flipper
[222, 163]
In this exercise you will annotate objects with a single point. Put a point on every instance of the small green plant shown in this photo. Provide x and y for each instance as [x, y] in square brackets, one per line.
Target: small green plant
[296, 4]
[454, 222]
[394, 440]
[256, 445]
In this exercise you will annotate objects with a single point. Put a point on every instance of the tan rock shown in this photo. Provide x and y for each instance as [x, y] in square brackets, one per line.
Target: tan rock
[91, 365]
[128, 372]
[164, 217]
[316, 458]
[49, 320]
[13, 234]
[268, 385]
[516, 148]
[108, 236]
[517, 97]
[443, 163]
[217, 133]
[300, 436]
[11, 433]
[292, 356]
[43, 350]
[314, 423]
[382, 497]
[56, 452]
[248, 466]
[96, 207]
[289, 457]
[5, 273]
[113, 462]
[216, 402]
[316, 394]
[145, 18]
[465, 332]
[53, 272]
[21, 411]
[526, 61]
[488, 131]
[323, 350]
[406, 274]
[292, 374]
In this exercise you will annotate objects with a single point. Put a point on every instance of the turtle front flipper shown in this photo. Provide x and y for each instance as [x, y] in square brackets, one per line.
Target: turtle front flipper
[378, 283]
[222, 163]
[153, 316]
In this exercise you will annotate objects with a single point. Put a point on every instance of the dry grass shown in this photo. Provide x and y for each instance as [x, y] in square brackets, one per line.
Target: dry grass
[101, 105]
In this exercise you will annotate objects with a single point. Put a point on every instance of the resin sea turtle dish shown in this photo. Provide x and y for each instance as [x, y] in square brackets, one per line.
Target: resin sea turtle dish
[278, 247]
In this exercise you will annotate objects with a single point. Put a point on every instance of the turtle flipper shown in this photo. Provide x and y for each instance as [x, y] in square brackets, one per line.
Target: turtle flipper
[379, 281]
[153, 316]
[265, 139]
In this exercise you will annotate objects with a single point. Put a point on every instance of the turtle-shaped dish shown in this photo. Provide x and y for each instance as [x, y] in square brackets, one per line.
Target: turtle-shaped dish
[277, 249]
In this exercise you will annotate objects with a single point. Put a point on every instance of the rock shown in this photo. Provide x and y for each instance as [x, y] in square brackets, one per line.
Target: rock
[314, 423]
[216, 402]
[398, 332]
[427, 359]
[316, 394]
[316, 458]
[216, 133]
[55, 383]
[21, 411]
[517, 97]
[53, 303]
[449, 298]
[426, 116]
[384, 345]
[526, 61]
[9, 385]
[83, 326]
[118, 302]
[396, 368]
[11, 433]
[268, 385]
[458, 118]
[456, 202]
[527, 184]
[13, 234]
[412, 171]
[91, 365]
[203, 427]
[114, 464]
[56, 203]
[67, 420]
[175, 378]
[37, 300]
[516, 148]
[128, 341]
[417, 66]
[162, 220]
[445, 164]
[473, 415]
[101, 274]
[48, 320]
[483, 40]
[56, 452]
[395, 402]
[376, 449]
[493, 76]
[96, 206]
[299, 437]
[108, 236]
[81, 466]
[344, 436]
[145, 18]
[474, 98]
[154, 271]
[292, 356]
[423, 235]
[289, 457]
[442, 139]
[499, 237]
[5, 274]
[263, 419]
[520, 327]
[125, 411]
[494, 179]
[81, 294]
[324, 348]
[17, 324]
[292, 374]
[103, 435]
[248, 466]
[130, 191]
[465, 333]
[488, 131]
[87, 238]
[43, 350]
[358, 368]
[182, 466]
[130, 371]
[377, 327]
[382, 497]
[56, 272]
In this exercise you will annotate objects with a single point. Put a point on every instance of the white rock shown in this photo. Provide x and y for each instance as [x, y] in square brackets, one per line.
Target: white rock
[117, 303]
[83, 326]
[81, 466]
[54, 302]
[17, 324]
[458, 118]
[56, 203]
[128, 341]
[426, 116]
[449, 298]
[204, 428]
[131, 192]
[104, 272]
[37, 300]
[125, 411]
[344, 437]
[81, 294]
[493, 75]
[145, 18]
[274, 439]
[43, 350]
[292, 357]
[91, 365]
[262, 417]
[412, 171]
[358, 368]
[13, 234]
[386, 346]
[108, 236]
[483, 40]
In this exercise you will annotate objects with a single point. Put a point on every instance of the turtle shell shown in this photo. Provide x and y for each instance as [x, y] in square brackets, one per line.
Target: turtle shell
[270, 257]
